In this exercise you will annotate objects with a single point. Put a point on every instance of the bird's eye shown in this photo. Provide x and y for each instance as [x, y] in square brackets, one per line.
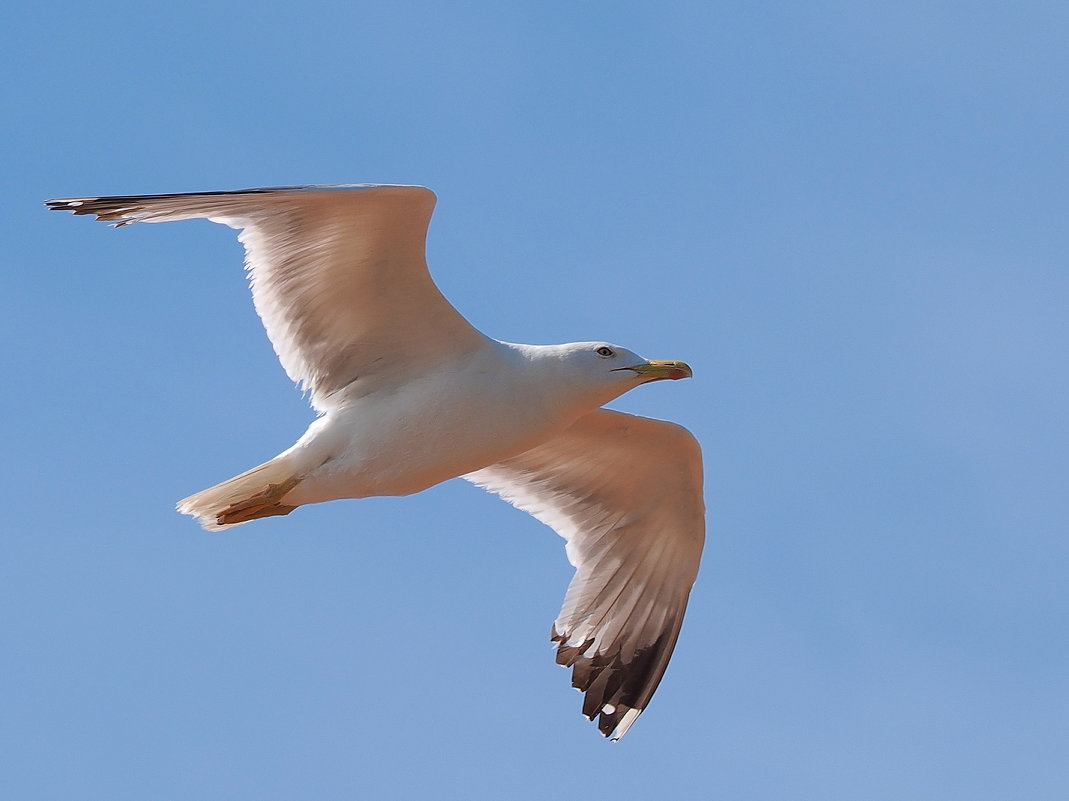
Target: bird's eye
[604, 351]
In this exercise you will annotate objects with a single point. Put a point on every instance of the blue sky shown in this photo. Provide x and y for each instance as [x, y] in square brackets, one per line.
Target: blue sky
[849, 218]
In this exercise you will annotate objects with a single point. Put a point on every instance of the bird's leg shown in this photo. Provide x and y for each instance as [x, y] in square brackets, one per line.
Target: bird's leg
[265, 503]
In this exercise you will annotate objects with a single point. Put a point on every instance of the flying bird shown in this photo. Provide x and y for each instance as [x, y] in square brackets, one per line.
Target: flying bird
[409, 394]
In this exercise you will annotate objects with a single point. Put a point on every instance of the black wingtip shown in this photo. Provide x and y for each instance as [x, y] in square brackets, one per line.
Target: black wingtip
[78, 205]
[615, 692]
[113, 210]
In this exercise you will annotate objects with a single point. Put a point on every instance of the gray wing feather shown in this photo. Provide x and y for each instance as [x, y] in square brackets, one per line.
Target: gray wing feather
[338, 275]
[626, 494]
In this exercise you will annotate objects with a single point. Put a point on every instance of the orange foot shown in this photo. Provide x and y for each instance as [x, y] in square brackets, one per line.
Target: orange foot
[265, 503]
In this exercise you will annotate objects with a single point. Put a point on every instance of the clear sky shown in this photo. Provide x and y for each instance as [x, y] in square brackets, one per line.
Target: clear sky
[850, 218]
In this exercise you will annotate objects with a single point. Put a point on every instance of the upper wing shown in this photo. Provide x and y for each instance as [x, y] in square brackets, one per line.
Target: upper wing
[338, 275]
[626, 494]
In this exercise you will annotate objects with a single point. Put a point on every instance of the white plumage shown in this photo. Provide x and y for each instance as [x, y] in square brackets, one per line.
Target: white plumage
[410, 394]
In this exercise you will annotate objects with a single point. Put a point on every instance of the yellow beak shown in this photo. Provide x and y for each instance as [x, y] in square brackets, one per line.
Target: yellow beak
[657, 370]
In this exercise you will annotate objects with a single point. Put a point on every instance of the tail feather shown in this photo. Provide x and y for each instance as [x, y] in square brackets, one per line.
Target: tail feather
[253, 494]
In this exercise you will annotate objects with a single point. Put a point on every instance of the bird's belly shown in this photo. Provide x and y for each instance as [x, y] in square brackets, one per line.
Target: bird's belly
[394, 448]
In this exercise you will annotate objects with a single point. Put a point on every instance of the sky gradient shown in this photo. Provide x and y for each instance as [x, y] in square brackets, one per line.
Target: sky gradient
[848, 218]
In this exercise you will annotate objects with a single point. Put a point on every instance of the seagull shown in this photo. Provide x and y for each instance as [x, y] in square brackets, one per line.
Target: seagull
[409, 394]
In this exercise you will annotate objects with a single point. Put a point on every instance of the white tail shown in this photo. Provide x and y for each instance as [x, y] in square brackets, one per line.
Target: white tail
[255, 493]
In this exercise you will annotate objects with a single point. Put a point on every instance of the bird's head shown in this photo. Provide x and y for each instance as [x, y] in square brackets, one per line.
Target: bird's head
[614, 370]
